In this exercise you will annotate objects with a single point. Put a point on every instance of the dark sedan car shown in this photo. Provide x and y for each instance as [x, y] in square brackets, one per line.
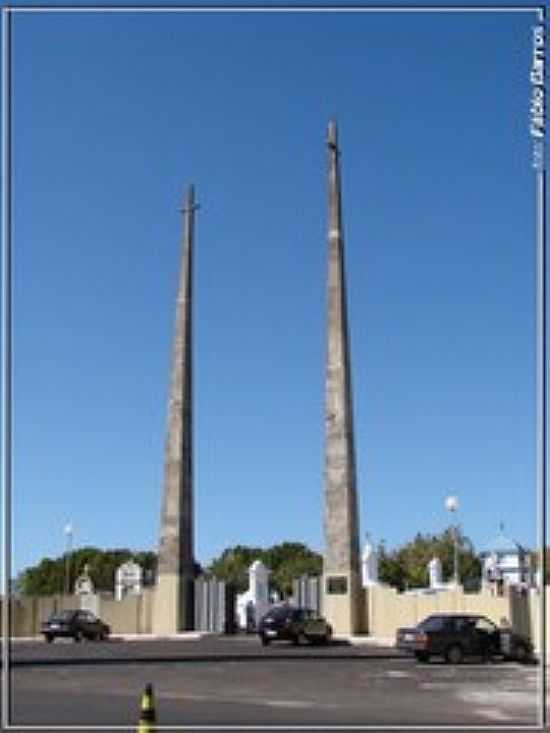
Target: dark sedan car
[77, 624]
[294, 624]
[456, 635]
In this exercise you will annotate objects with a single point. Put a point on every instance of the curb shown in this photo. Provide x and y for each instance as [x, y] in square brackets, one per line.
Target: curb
[368, 640]
[186, 636]
[194, 635]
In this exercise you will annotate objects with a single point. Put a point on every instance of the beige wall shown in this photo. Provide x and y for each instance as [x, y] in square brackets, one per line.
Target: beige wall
[122, 616]
[131, 615]
[387, 610]
[345, 612]
[28, 612]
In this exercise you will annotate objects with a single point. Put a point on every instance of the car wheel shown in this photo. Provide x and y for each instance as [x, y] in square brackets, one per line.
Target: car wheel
[422, 657]
[49, 638]
[522, 653]
[77, 636]
[454, 654]
[265, 640]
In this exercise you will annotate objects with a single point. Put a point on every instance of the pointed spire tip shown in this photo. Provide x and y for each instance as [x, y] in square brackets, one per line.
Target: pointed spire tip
[332, 133]
[189, 198]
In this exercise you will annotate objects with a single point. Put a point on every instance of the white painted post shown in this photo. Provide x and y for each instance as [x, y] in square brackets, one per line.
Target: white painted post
[435, 573]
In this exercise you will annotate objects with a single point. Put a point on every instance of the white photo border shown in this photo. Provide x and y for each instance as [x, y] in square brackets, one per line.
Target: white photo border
[6, 458]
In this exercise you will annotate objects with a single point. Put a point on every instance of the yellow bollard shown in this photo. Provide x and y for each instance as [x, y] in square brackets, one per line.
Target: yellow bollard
[148, 715]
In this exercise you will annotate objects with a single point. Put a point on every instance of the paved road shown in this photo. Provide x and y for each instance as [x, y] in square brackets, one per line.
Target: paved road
[237, 682]
[207, 647]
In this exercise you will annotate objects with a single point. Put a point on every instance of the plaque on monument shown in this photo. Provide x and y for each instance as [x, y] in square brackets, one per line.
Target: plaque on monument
[337, 585]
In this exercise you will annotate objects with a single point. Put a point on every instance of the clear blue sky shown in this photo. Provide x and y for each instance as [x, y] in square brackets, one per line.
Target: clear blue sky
[114, 114]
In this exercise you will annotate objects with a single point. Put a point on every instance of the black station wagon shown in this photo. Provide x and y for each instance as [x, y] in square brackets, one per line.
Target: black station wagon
[294, 624]
[454, 636]
[76, 624]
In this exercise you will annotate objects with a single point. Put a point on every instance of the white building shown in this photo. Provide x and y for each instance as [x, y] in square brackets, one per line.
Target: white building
[506, 561]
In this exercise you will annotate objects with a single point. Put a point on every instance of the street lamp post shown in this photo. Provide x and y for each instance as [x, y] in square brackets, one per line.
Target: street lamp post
[68, 530]
[451, 504]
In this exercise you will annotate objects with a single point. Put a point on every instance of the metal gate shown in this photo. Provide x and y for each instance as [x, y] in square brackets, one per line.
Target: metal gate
[307, 592]
[214, 606]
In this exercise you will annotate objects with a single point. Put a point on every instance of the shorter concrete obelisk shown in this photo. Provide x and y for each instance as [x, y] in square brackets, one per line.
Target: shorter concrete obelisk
[174, 599]
[342, 593]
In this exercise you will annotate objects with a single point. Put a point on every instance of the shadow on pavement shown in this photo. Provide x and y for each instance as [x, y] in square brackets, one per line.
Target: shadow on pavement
[199, 659]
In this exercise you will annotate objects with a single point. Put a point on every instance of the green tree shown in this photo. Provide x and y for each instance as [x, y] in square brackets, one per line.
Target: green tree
[389, 569]
[48, 576]
[407, 566]
[232, 565]
[286, 561]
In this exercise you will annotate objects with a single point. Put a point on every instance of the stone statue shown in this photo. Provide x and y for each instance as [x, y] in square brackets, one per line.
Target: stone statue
[83, 584]
[435, 572]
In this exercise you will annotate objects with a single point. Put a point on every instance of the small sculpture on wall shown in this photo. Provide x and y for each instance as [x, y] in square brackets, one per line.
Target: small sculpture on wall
[83, 584]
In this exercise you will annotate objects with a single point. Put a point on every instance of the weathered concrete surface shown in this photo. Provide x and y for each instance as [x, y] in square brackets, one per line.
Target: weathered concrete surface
[278, 686]
[173, 607]
[341, 515]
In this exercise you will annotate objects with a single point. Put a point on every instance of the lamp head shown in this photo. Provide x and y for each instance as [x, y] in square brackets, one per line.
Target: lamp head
[451, 503]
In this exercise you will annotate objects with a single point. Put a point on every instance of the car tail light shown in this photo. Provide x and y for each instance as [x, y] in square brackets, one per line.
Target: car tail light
[422, 639]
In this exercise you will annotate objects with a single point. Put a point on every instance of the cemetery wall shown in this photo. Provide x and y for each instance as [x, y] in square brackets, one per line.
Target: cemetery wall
[124, 617]
[386, 609]
[132, 615]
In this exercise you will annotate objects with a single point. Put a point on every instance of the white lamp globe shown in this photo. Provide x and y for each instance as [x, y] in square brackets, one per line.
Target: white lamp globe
[68, 529]
[451, 503]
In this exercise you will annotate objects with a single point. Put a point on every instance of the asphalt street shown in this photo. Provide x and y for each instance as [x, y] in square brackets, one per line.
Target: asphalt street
[209, 646]
[236, 682]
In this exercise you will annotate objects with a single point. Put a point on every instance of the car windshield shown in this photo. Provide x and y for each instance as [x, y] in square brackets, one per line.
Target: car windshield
[280, 612]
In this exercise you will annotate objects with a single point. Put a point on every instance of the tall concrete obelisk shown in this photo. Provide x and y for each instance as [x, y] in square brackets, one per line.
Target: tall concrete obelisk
[174, 600]
[342, 595]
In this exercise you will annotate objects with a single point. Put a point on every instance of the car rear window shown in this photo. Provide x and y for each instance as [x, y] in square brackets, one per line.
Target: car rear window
[432, 623]
[63, 616]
